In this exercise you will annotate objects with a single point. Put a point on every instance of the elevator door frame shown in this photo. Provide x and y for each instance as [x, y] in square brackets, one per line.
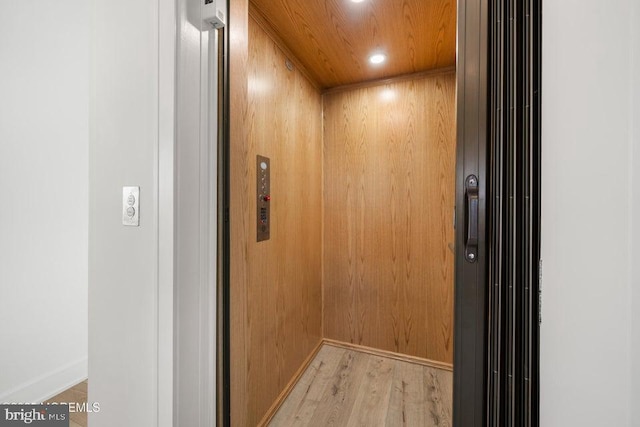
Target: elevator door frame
[471, 282]
[470, 311]
[478, 79]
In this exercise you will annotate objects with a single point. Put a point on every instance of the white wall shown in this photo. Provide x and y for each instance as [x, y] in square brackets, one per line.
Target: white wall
[586, 214]
[44, 89]
[131, 268]
[635, 258]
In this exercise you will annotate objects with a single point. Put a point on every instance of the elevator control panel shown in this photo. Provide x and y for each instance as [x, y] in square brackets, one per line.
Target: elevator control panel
[263, 194]
[131, 206]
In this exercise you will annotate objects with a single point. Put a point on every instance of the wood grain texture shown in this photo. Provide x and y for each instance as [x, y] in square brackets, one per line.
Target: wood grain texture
[350, 388]
[239, 211]
[292, 383]
[389, 354]
[389, 170]
[389, 80]
[407, 403]
[259, 18]
[334, 38]
[283, 274]
[334, 409]
[76, 394]
[372, 401]
[300, 405]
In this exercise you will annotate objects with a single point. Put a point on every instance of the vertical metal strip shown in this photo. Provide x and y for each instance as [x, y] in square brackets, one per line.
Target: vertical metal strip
[526, 245]
[496, 291]
[224, 233]
[518, 235]
[513, 380]
[534, 65]
[511, 214]
[491, 377]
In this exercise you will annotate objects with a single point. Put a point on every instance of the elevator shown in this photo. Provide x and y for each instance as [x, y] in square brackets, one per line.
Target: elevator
[358, 178]
[353, 243]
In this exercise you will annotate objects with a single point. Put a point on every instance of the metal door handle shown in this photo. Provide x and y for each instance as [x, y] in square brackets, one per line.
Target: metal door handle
[472, 202]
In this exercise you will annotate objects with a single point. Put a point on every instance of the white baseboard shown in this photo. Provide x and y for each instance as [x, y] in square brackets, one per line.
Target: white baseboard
[46, 386]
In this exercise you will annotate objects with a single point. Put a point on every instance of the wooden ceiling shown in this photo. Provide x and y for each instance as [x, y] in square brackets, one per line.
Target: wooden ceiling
[334, 38]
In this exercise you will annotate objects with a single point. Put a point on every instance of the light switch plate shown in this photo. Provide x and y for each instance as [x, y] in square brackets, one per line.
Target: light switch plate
[131, 206]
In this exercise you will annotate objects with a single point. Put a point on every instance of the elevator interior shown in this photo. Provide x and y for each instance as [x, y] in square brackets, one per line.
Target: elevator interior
[343, 191]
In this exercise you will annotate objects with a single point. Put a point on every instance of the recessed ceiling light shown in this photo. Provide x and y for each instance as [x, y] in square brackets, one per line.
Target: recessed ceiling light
[357, 1]
[377, 58]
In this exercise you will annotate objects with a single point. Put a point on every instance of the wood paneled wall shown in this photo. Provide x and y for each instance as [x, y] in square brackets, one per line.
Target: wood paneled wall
[239, 212]
[277, 302]
[389, 182]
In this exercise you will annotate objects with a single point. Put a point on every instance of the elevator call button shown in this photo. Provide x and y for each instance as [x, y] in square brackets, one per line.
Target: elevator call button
[263, 198]
[131, 206]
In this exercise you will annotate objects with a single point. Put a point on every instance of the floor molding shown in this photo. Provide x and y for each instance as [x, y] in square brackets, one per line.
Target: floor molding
[41, 388]
[292, 383]
[390, 354]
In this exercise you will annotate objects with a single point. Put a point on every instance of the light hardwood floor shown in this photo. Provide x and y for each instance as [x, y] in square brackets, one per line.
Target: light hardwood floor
[344, 387]
[77, 394]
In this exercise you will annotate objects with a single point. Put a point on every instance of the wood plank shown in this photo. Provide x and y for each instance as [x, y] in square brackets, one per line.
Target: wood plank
[75, 394]
[407, 401]
[82, 387]
[300, 405]
[298, 378]
[335, 407]
[351, 388]
[334, 39]
[438, 392]
[389, 171]
[372, 402]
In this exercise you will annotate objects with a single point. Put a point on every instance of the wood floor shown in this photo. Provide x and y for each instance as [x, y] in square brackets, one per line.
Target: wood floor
[344, 387]
[77, 394]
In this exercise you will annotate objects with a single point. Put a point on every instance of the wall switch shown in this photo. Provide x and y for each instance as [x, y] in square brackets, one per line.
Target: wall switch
[131, 206]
